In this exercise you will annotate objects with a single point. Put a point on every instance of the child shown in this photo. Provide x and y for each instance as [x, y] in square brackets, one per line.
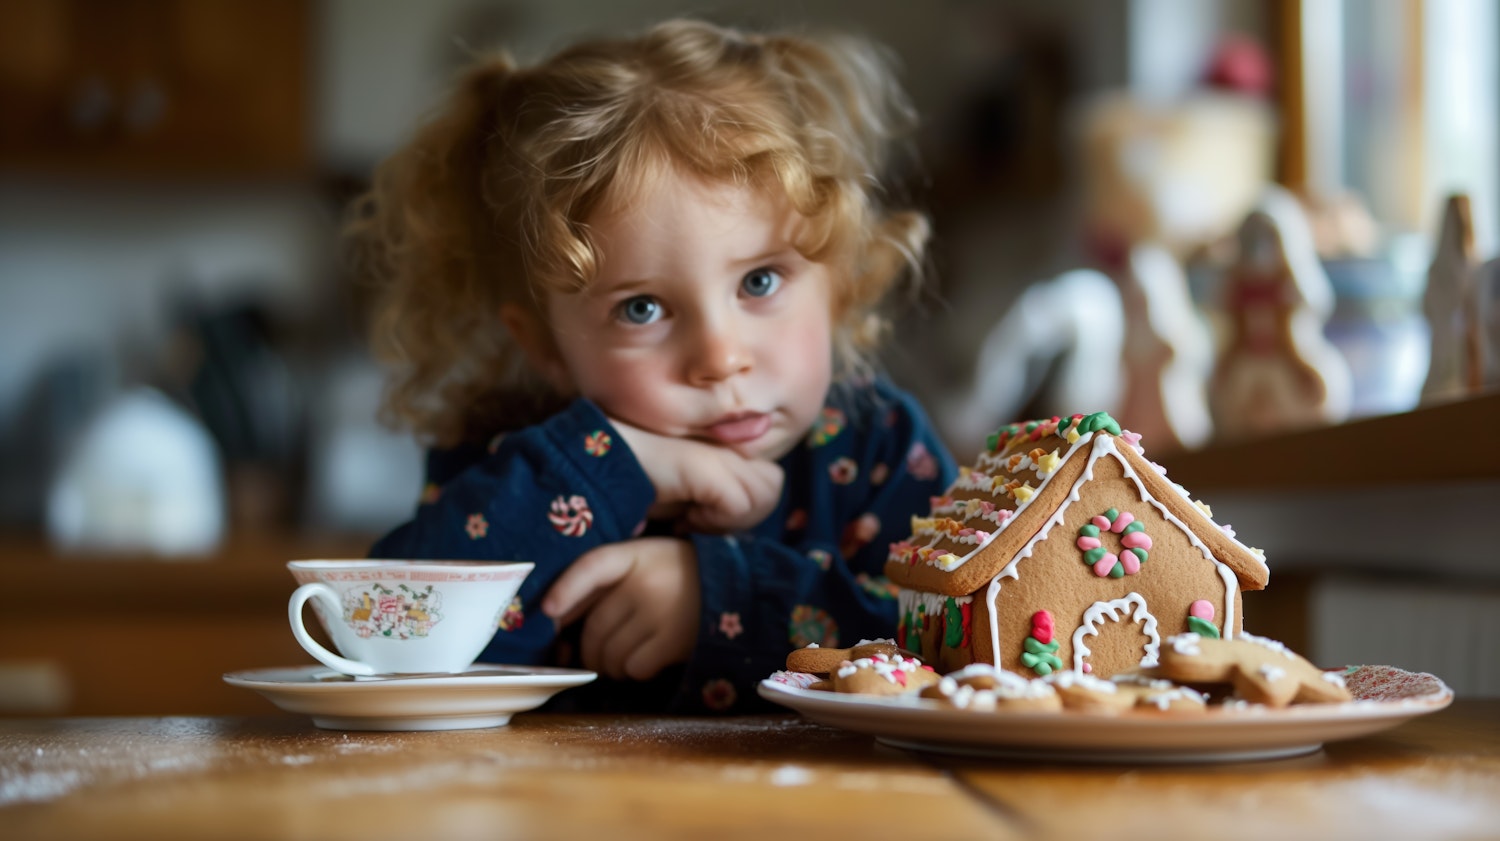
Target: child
[625, 295]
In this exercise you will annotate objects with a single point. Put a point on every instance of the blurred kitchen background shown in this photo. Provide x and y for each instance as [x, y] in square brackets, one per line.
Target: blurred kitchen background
[1116, 186]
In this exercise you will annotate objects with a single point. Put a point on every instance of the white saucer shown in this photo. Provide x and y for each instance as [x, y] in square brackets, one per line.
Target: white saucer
[1218, 735]
[485, 695]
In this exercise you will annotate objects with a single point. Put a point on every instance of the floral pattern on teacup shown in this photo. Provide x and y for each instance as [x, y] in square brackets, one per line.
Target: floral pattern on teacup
[402, 613]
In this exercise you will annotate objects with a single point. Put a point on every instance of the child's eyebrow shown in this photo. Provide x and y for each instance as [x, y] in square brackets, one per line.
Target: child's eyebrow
[772, 256]
[610, 288]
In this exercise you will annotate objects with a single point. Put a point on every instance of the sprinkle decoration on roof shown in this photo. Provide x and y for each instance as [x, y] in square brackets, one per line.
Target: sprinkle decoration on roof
[1070, 428]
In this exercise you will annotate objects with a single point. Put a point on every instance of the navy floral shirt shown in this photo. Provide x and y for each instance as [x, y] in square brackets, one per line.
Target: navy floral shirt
[812, 572]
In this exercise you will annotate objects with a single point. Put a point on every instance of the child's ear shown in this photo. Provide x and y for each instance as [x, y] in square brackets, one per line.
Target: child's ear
[535, 341]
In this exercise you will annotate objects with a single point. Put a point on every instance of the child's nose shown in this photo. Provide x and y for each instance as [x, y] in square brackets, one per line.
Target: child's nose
[719, 353]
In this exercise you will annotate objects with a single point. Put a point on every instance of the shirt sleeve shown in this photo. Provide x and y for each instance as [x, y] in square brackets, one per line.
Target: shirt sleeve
[820, 581]
[545, 494]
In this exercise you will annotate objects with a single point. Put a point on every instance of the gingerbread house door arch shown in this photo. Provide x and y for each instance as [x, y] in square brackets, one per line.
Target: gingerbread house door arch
[1116, 636]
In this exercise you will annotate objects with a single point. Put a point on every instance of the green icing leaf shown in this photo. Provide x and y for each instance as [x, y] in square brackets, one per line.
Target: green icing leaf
[993, 441]
[1092, 556]
[1134, 527]
[1118, 571]
[1039, 658]
[1139, 553]
[1202, 628]
[1099, 421]
[1089, 530]
[1034, 647]
[1111, 514]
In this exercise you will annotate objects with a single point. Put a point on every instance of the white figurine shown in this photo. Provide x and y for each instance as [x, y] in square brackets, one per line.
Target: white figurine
[1452, 309]
[1071, 328]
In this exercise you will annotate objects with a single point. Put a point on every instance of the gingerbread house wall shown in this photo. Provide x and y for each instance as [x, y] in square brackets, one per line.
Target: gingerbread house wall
[1056, 578]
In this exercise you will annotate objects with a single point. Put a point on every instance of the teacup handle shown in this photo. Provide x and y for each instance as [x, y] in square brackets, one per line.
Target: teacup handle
[330, 598]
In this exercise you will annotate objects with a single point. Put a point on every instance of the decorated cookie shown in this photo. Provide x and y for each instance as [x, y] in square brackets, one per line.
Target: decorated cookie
[1388, 683]
[1159, 694]
[1262, 671]
[822, 661]
[882, 674]
[798, 680]
[1081, 693]
[984, 688]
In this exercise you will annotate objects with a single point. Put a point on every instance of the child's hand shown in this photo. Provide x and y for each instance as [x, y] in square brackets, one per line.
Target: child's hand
[714, 489]
[641, 600]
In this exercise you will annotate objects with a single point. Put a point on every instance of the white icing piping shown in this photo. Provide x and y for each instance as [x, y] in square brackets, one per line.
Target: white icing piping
[1230, 583]
[1095, 614]
[1101, 444]
[932, 603]
[994, 593]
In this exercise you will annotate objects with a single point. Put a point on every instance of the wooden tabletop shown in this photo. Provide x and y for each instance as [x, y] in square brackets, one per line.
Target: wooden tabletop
[557, 776]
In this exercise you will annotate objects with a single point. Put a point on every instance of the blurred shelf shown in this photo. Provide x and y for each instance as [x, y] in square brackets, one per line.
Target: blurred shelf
[1447, 442]
[135, 635]
[240, 576]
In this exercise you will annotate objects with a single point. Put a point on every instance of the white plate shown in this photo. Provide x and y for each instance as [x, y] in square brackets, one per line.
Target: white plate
[1219, 734]
[483, 696]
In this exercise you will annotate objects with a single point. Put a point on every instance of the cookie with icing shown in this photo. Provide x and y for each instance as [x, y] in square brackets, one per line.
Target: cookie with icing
[1082, 693]
[984, 688]
[817, 660]
[882, 674]
[1261, 671]
[1158, 694]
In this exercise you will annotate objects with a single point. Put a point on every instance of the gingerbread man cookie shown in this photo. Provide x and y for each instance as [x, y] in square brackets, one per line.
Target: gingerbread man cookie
[1262, 671]
[823, 661]
[982, 687]
[883, 674]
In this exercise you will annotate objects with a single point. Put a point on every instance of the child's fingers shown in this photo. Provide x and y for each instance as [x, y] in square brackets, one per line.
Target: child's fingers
[583, 582]
[621, 644]
[737, 498]
[609, 618]
[645, 660]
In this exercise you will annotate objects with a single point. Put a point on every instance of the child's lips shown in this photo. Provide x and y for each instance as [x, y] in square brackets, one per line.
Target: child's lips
[740, 429]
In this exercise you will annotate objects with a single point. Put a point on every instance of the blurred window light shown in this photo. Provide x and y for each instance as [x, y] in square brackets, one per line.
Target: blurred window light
[1401, 103]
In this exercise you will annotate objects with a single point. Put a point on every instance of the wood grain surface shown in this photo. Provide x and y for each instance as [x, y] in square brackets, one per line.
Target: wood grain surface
[556, 776]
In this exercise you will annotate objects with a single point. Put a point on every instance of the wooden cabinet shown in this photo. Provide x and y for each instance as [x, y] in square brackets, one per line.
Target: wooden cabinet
[155, 86]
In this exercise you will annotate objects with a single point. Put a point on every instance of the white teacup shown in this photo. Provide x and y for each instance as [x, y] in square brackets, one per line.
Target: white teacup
[401, 617]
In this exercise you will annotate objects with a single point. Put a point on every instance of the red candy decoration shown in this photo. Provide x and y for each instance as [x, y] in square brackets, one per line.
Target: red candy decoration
[1041, 626]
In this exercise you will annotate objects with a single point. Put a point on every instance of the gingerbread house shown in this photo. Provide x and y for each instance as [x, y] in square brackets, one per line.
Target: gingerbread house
[1064, 548]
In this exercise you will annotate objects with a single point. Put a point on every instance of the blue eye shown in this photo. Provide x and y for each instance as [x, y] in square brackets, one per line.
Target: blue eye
[761, 282]
[642, 309]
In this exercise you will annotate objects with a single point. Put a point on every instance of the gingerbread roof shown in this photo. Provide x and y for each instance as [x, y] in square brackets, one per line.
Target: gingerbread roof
[997, 510]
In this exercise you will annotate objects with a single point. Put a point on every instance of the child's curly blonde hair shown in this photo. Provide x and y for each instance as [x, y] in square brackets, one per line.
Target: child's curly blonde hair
[485, 206]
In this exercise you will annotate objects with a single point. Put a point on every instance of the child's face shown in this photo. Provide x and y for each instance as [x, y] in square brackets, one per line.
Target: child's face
[703, 321]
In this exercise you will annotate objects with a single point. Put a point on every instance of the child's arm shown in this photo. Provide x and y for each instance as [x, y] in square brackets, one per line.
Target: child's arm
[732, 607]
[549, 493]
[763, 596]
[545, 494]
